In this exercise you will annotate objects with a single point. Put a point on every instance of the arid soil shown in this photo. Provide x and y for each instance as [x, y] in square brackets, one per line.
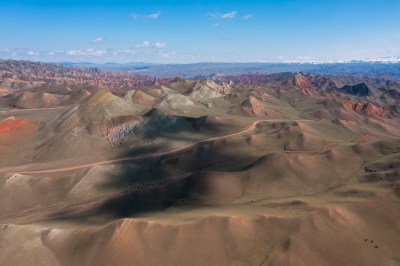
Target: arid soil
[279, 169]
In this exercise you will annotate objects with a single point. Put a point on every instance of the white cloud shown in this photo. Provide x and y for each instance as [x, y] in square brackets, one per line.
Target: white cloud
[159, 44]
[74, 52]
[220, 15]
[168, 55]
[98, 52]
[229, 15]
[155, 15]
[7, 50]
[126, 52]
[303, 57]
[51, 53]
[32, 53]
[135, 16]
[152, 16]
[98, 40]
[143, 45]
[249, 16]
[147, 44]
[216, 25]
[88, 52]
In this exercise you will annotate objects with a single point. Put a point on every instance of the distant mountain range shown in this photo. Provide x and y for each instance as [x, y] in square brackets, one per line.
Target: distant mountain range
[379, 66]
[389, 59]
[26, 75]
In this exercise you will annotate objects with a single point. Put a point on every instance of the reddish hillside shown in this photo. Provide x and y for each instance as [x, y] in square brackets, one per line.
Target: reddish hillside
[370, 109]
[22, 75]
[14, 123]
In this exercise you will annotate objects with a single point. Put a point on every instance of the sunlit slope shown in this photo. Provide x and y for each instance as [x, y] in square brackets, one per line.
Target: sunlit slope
[283, 169]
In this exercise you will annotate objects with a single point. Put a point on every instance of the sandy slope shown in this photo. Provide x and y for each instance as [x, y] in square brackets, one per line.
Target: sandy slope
[205, 173]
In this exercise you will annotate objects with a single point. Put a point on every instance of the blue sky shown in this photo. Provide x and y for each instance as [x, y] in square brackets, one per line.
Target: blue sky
[176, 31]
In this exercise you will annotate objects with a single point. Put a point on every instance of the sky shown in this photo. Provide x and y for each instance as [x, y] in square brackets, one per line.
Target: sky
[177, 31]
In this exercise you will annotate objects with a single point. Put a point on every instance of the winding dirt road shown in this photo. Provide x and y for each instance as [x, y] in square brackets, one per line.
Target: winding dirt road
[145, 156]
[32, 109]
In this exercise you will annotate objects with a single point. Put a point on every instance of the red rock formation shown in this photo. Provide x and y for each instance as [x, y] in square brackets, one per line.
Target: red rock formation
[301, 81]
[12, 123]
[369, 109]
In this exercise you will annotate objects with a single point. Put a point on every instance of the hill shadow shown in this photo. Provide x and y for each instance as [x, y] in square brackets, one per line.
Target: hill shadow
[155, 184]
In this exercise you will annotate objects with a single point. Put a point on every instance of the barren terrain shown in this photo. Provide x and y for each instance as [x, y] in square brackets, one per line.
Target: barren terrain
[258, 169]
